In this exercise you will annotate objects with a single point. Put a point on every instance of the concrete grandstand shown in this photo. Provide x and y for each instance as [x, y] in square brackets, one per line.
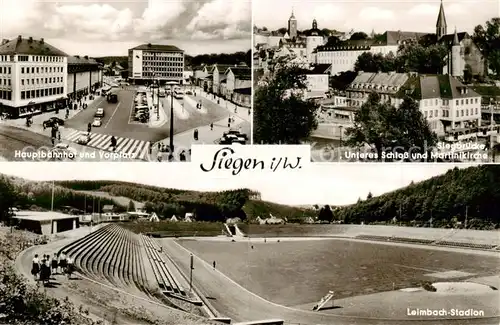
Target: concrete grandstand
[158, 274]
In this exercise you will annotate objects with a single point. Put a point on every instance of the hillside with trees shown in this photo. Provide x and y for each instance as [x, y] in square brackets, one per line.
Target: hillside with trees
[189, 60]
[31, 195]
[460, 198]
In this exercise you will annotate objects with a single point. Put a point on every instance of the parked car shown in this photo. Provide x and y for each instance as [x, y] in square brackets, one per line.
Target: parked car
[53, 121]
[97, 122]
[83, 139]
[189, 92]
[64, 151]
[99, 112]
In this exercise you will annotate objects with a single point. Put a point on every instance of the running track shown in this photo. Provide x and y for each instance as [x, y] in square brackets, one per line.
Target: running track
[241, 305]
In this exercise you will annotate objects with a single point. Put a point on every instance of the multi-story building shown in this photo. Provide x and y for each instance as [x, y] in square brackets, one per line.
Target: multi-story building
[317, 81]
[239, 85]
[219, 75]
[33, 77]
[463, 53]
[150, 63]
[446, 103]
[84, 76]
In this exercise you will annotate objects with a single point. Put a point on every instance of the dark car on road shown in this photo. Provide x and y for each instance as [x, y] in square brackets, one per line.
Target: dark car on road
[53, 121]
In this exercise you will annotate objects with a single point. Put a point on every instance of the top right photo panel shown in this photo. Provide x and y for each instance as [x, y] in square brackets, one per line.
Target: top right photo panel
[379, 81]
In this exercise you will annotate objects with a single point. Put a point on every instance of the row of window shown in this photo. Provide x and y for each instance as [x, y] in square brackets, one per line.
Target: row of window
[40, 58]
[446, 102]
[5, 82]
[7, 95]
[446, 113]
[160, 70]
[146, 65]
[5, 58]
[161, 58]
[164, 75]
[41, 69]
[5, 70]
[38, 80]
[42, 92]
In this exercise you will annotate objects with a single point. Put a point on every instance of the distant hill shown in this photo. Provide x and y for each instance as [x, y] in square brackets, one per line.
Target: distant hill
[197, 60]
[468, 197]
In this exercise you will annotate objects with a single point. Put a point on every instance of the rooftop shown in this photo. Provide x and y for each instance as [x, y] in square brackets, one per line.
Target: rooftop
[76, 59]
[42, 215]
[242, 73]
[158, 48]
[320, 69]
[29, 46]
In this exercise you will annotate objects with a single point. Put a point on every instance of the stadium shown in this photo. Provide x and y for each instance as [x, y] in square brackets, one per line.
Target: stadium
[269, 270]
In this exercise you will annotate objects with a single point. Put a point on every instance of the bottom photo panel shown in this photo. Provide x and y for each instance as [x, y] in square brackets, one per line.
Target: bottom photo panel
[337, 244]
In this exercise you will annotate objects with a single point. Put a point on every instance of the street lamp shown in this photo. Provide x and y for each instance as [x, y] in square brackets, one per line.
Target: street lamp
[340, 128]
[172, 84]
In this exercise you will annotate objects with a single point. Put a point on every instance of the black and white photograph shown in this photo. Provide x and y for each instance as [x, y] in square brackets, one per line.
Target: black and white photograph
[379, 80]
[123, 80]
[357, 244]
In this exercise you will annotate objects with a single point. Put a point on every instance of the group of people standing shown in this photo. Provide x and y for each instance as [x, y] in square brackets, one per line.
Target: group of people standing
[43, 269]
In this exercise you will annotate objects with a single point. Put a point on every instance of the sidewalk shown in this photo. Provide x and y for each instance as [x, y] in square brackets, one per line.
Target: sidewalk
[155, 120]
[242, 112]
[38, 120]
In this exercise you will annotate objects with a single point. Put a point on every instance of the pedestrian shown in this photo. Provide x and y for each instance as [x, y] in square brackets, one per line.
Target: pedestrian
[159, 146]
[113, 142]
[214, 265]
[150, 149]
[89, 127]
[195, 133]
[44, 271]
[54, 264]
[70, 268]
[182, 156]
[229, 122]
[159, 156]
[59, 135]
[35, 267]
[62, 262]
[211, 126]
[49, 266]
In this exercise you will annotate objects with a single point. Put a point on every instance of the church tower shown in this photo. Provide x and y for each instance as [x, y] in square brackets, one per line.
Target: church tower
[292, 26]
[313, 40]
[441, 23]
[456, 58]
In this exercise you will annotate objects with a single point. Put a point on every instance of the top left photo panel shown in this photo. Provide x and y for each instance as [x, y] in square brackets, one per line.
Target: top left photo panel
[123, 81]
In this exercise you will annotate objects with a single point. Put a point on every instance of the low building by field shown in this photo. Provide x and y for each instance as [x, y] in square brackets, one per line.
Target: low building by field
[46, 223]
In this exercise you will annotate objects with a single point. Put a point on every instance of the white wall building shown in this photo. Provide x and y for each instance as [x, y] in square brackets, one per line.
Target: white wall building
[33, 77]
[84, 76]
[317, 81]
[446, 103]
[150, 62]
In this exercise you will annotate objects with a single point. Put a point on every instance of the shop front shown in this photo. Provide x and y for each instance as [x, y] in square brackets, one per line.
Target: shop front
[33, 108]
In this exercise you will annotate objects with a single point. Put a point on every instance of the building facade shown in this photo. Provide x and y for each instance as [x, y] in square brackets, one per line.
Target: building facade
[317, 81]
[446, 103]
[33, 77]
[239, 85]
[150, 63]
[219, 75]
[84, 76]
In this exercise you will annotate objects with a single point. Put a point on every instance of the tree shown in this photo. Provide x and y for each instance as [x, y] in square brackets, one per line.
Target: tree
[281, 114]
[468, 74]
[390, 129]
[325, 213]
[332, 41]
[422, 59]
[487, 38]
[8, 199]
[369, 62]
[283, 30]
[131, 206]
[342, 80]
[358, 36]
[262, 54]
[369, 196]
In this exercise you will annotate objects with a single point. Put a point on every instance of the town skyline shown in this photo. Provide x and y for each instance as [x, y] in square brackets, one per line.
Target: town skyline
[347, 182]
[419, 16]
[110, 28]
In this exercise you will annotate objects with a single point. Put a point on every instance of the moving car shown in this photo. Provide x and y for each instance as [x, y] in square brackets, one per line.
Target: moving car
[99, 112]
[53, 121]
[83, 139]
[233, 137]
[64, 151]
[97, 122]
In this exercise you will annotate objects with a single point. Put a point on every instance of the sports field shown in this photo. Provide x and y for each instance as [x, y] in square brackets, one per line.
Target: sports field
[299, 272]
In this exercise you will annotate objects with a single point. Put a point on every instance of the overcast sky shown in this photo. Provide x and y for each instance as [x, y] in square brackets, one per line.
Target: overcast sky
[109, 28]
[365, 15]
[336, 184]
